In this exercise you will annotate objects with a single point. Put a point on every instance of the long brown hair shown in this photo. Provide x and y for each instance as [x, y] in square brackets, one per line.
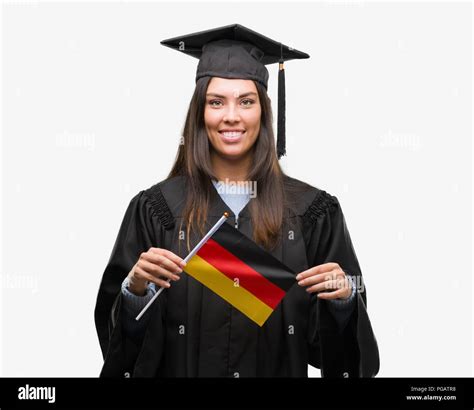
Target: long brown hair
[193, 161]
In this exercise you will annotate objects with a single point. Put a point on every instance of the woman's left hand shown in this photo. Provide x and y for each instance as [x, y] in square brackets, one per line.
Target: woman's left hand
[322, 278]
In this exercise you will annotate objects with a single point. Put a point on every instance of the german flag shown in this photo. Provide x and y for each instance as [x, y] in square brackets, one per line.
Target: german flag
[242, 273]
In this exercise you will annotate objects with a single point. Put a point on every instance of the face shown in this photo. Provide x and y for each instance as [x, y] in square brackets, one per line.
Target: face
[232, 116]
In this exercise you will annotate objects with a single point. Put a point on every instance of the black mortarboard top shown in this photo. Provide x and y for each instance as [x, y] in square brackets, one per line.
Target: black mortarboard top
[235, 51]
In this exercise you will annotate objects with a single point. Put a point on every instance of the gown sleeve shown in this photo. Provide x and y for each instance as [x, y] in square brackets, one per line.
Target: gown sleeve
[342, 309]
[349, 351]
[120, 336]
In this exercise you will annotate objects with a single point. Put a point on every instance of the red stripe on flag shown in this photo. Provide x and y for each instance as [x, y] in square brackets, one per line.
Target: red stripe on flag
[233, 268]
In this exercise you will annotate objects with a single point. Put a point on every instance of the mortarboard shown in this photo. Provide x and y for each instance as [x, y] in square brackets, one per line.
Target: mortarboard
[235, 51]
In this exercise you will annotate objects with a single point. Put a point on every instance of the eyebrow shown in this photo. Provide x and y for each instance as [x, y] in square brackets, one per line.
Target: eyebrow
[224, 97]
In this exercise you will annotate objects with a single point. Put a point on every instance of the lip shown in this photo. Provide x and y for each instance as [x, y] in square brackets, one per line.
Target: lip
[231, 139]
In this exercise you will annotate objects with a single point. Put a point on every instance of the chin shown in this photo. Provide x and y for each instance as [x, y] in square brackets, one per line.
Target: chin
[231, 152]
[234, 155]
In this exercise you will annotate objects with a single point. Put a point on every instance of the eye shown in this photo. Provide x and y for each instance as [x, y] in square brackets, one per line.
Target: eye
[247, 102]
[215, 103]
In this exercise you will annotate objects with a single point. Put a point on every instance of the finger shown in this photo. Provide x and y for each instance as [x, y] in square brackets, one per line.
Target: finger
[339, 273]
[162, 261]
[307, 273]
[343, 289]
[337, 294]
[312, 280]
[157, 270]
[172, 256]
[150, 278]
[325, 267]
[324, 286]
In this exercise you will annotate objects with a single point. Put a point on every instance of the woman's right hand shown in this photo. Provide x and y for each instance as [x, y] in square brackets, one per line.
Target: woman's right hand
[156, 265]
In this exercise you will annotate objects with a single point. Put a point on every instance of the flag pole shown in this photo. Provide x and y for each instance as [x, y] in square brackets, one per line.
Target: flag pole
[187, 258]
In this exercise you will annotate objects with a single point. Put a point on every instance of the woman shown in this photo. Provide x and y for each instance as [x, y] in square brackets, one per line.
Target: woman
[189, 330]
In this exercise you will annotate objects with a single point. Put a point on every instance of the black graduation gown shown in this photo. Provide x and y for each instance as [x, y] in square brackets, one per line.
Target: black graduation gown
[189, 331]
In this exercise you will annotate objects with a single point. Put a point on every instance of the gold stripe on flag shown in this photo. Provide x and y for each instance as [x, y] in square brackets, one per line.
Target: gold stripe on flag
[237, 296]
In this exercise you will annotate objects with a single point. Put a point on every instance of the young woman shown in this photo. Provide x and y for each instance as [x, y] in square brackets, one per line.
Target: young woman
[190, 331]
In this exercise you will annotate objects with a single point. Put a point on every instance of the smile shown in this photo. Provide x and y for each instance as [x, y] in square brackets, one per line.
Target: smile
[232, 135]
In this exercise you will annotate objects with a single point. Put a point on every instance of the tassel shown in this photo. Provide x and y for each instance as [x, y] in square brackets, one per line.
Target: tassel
[281, 137]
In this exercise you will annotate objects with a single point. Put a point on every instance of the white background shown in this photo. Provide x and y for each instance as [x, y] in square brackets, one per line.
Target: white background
[380, 116]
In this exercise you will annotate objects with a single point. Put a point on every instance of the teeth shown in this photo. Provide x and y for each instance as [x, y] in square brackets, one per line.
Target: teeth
[232, 134]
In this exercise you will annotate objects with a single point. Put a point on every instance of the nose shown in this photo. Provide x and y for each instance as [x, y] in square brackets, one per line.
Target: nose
[232, 114]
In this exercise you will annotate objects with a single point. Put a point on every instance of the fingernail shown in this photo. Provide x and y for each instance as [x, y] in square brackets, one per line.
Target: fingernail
[167, 284]
[298, 277]
[183, 263]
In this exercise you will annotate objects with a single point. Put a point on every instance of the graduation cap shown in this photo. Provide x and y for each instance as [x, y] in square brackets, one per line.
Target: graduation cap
[235, 51]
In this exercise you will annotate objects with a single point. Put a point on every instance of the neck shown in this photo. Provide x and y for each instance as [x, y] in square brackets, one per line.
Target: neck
[231, 169]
